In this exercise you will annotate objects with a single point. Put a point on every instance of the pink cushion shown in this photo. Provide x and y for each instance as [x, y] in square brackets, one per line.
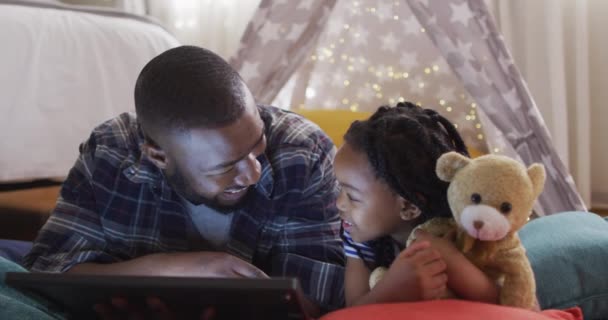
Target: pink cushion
[450, 310]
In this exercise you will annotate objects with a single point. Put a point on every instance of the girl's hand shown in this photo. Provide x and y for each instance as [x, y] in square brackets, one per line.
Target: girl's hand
[418, 273]
[466, 280]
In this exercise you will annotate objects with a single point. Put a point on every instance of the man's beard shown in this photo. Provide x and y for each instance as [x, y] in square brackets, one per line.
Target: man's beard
[178, 182]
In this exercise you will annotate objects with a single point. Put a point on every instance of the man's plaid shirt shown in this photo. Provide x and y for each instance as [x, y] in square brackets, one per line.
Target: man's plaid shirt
[115, 206]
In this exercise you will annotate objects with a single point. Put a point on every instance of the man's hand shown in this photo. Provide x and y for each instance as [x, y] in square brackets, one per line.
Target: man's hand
[187, 264]
[210, 264]
[119, 308]
[183, 264]
[418, 273]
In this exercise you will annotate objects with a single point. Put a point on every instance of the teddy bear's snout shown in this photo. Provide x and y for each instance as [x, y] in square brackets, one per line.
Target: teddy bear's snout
[484, 222]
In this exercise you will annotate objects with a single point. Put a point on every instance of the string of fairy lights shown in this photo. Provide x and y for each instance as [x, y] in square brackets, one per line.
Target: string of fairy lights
[379, 77]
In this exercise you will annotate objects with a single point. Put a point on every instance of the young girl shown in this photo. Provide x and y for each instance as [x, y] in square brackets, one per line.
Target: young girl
[386, 169]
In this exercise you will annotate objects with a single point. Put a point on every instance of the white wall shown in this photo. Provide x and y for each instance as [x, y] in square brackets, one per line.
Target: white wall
[598, 61]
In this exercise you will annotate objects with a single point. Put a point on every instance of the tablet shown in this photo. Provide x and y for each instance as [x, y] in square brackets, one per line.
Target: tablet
[76, 294]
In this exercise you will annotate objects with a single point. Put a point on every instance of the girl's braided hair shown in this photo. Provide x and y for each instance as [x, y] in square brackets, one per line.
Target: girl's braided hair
[403, 144]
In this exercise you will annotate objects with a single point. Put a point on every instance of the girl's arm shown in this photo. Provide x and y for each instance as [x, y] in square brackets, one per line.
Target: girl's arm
[356, 280]
[416, 274]
[464, 278]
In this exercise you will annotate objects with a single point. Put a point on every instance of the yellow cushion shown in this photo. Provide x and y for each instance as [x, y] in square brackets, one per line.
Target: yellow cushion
[336, 122]
[333, 122]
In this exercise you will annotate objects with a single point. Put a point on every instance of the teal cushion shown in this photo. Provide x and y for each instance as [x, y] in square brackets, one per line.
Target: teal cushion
[15, 305]
[569, 254]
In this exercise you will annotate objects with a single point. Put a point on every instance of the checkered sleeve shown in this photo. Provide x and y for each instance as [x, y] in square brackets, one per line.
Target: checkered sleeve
[307, 244]
[73, 233]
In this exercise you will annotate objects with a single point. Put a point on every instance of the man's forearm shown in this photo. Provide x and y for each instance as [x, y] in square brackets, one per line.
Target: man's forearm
[150, 265]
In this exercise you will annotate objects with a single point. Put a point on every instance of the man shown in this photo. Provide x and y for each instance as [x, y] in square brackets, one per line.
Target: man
[202, 183]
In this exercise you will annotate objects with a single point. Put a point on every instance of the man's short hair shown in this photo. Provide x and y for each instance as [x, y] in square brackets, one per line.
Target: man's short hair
[188, 87]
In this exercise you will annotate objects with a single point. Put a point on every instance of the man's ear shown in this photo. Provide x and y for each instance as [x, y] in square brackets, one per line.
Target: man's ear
[155, 154]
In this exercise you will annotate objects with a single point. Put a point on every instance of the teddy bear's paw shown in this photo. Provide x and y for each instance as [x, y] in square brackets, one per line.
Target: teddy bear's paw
[376, 275]
[439, 227]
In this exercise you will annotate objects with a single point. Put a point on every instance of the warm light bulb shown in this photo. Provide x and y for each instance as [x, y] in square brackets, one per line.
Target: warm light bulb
[310, 93]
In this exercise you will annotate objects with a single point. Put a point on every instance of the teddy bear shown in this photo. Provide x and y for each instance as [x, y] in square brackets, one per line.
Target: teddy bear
[491, 198]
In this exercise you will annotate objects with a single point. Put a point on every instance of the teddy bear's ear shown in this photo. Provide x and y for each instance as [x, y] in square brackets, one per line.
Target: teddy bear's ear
[449, 163]
[537, 174]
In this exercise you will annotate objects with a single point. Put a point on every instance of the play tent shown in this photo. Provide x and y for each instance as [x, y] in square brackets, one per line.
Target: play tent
[442, 54]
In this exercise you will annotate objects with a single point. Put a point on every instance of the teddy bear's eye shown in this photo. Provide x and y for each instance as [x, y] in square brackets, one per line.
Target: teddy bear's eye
[505, 207]
[476, 198]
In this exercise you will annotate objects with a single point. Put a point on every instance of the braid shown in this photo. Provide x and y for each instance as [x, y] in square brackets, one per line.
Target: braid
[452, 132]
[403, 144]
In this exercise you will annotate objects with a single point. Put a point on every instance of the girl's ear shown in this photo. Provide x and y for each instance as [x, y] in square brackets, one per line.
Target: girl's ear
[409, 211]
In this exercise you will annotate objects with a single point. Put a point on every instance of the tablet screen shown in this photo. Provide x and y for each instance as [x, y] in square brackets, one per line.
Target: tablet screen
[76, 294]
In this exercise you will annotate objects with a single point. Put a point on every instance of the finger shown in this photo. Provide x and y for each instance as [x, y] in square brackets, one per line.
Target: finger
[437, 281]
[131, 310]
[413, 248]
[208, 314]
[103, 311]
[160, 308]
[120, 303]
[426, 256]
[435, 267]
[432, 294]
